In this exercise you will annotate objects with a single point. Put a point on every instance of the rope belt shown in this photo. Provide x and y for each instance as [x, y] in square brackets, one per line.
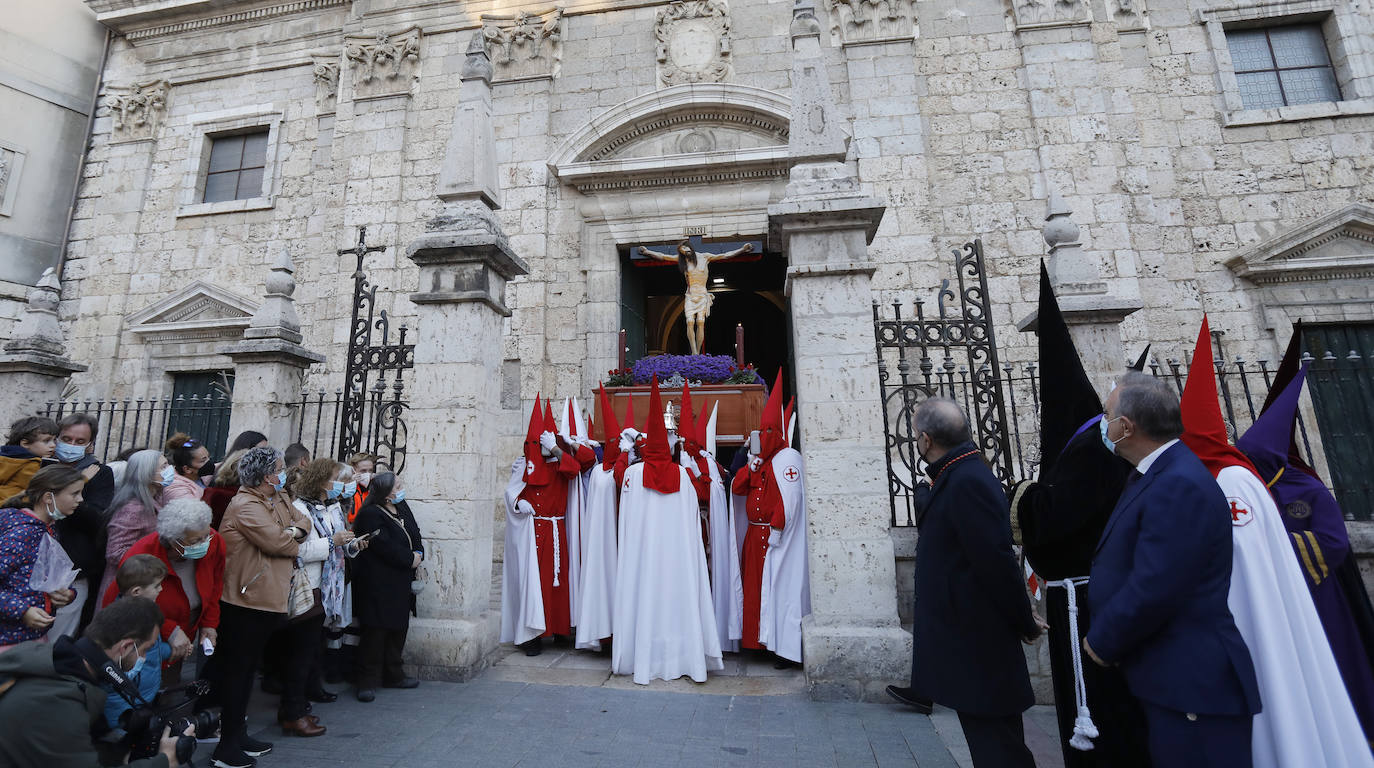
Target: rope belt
[557, 561]
[1084, 730]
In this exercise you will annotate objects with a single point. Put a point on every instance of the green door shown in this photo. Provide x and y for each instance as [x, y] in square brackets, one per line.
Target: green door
[201, 402]
[1341, 381]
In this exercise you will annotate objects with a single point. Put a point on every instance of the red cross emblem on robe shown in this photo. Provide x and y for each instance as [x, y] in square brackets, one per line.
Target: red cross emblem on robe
[1240, 515]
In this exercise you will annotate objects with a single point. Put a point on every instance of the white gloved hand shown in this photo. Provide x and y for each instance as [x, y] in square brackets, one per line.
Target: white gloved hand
[774, 537]
[547, 442]
[523, 507]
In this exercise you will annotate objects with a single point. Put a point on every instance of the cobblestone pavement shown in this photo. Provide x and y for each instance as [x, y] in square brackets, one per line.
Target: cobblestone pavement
[564, 708]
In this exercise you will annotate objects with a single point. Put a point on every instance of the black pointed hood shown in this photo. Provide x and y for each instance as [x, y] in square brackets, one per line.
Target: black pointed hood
[1067, 397]
[1283, 376]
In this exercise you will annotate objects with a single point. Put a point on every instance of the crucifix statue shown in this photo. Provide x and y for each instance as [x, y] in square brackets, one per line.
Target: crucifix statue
[695, 268]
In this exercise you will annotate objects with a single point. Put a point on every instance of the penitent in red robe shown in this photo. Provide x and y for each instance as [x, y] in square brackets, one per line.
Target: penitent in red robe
[550, 504]
[764, 508]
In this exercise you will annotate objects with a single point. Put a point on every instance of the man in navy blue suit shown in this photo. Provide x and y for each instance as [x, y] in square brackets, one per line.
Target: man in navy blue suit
[1159, 584]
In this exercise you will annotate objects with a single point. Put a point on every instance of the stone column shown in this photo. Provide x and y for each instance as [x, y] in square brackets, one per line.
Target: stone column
[34, 367]
[270, 363]
[453, 479]
[1092, 312]
[853, 642]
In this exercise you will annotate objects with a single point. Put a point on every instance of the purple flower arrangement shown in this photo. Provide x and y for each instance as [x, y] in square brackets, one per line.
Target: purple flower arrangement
[707, 369]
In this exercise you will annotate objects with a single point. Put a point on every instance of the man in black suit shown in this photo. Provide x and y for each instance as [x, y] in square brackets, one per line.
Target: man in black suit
[971, 611]
[1158, 589]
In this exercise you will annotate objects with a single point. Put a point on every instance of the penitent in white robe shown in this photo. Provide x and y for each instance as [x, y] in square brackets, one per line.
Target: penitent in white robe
[665, 626]
[727, 587]
[598, 530]
[522, 600]
[1307, 717]
[785, 597]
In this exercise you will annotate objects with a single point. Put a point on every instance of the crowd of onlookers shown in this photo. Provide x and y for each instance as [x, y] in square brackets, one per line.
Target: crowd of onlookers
[268, 561]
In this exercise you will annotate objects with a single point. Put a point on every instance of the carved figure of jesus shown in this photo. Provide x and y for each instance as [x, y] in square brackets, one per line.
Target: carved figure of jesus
[695, 268]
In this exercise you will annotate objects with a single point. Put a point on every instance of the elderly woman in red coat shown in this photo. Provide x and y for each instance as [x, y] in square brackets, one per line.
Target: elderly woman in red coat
[194, 555]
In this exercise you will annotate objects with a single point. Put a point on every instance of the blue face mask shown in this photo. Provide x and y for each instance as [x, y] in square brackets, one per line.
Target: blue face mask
[335, 490]
[195, 551]
[350, 489]
[399, 496]
[281, 480]
[70, 454]
[133, 671]
[167, 475]
[1107, 441]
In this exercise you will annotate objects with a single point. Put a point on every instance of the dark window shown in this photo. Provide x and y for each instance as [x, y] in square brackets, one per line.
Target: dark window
[201, 404]
[1281, 66]
[236, 165]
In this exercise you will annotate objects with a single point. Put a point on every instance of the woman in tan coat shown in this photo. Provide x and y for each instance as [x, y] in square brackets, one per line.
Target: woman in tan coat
[262, 534]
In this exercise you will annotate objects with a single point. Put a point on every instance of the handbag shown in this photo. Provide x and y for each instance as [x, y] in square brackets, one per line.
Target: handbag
[302, 597]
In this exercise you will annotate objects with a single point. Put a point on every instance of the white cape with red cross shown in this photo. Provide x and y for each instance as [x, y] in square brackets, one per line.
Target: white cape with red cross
[1307, 717]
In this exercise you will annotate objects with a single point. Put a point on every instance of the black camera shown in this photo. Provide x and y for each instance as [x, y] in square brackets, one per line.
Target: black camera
[146, 724]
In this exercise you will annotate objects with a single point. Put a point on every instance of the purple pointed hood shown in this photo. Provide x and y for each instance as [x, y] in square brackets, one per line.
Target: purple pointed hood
[1266, 442]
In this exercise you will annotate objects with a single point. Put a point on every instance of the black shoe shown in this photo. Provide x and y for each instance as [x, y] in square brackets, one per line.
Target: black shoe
[408, 682]
[366, 695]
[272, 686]
[533, 647]
[908, 697]
[224, 758]
[254, 748]
[321, 696]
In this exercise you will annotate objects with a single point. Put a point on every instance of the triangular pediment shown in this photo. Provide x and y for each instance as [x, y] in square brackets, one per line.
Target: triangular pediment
[1335, 246]
[685, 134]
[199, 310]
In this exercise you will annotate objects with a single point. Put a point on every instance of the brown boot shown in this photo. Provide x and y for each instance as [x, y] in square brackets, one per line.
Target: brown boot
[305, 726]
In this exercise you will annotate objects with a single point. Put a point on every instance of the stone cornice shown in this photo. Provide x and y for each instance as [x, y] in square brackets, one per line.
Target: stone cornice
[1296, 256]
[147, 20]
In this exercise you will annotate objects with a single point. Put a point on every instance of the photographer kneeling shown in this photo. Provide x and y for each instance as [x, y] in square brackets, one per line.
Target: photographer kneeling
[57, 690]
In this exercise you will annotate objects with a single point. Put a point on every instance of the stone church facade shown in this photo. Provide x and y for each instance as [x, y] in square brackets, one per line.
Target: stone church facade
[508, 156]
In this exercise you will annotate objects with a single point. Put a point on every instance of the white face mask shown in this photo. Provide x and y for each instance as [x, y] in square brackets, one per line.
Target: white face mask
[53, 512]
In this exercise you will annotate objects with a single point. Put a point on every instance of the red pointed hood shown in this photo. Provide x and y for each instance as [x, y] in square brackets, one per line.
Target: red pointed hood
[660, 473]
[629, 422]
[687, 424]
[772, 428]
[1204, 428]
[536, 467]
[610, 432]
[572, 419]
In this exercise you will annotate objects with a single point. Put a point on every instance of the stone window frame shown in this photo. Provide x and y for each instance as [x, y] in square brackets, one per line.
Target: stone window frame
[204, 128]
[1344, 44]
[10, 188]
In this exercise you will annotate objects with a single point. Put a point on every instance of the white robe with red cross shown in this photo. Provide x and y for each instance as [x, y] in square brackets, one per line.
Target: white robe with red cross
[665, 625]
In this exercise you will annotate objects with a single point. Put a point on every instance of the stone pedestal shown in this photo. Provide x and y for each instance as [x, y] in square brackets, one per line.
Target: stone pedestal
[268, 374]
[34, 367]
[853, 641]
[454, 481]
[1092, 312]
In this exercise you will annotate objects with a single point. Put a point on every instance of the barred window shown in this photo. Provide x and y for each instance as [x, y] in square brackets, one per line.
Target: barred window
[236, 167]
[1282, 65]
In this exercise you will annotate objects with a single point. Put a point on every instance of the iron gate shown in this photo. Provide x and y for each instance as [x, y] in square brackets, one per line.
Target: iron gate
[368, 413]
[953, 355]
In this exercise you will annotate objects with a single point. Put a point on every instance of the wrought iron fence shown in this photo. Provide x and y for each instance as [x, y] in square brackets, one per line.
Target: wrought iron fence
[138, 422]
[1241, 384]
[317, 423]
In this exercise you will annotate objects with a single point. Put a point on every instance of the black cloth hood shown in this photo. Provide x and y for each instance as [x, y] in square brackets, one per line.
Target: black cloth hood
[1067, 397]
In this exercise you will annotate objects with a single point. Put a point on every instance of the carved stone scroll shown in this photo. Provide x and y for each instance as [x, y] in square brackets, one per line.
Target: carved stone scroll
[326, 74]
[872, 21]
[693, 42]
[137, 110]
[1051, 13]
[387, 64]
[526, 45]
[1130, 15]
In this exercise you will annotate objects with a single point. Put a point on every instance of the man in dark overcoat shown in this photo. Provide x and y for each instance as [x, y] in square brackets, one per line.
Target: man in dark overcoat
[972, 612]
